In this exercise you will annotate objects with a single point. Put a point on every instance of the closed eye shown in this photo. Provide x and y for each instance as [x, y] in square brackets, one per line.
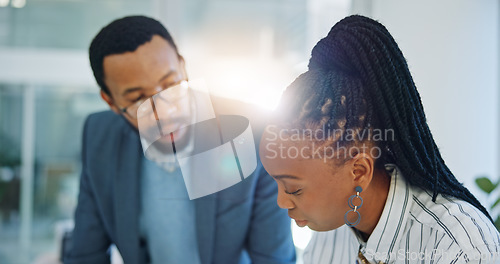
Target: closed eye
[138, 99]
[294, 193]
[168, 85]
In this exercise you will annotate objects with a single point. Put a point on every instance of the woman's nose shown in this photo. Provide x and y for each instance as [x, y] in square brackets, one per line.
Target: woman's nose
[284, 200]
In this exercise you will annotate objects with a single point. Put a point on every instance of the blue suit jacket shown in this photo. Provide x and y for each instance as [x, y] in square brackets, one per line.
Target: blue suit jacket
[241, 224]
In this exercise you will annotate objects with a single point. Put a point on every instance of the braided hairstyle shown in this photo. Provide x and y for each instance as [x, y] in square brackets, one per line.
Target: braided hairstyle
[358, 79]
[123, 35]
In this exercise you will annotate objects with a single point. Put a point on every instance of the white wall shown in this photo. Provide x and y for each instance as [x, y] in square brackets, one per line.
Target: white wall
[452, 48]
[45, 67]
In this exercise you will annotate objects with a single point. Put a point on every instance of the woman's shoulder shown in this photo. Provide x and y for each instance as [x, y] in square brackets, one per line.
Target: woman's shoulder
[453, 219]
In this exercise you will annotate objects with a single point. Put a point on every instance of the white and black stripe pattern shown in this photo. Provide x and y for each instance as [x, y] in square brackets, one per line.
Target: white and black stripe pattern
[414, 229]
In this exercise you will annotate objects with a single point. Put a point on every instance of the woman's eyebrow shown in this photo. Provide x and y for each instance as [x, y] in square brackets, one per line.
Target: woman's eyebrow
[279, 177]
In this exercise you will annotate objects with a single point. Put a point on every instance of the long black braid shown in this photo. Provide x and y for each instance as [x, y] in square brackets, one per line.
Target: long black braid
[358, 79]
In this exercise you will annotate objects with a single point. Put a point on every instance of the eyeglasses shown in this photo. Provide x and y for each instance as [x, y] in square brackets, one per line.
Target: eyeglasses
[169, 95]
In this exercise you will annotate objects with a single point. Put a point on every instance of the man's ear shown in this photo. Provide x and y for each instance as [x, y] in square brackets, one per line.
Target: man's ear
[109, 101]
[182, 67]
[363, 167]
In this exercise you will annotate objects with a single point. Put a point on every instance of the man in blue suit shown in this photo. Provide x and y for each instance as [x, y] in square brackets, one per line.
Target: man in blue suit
[142, 207]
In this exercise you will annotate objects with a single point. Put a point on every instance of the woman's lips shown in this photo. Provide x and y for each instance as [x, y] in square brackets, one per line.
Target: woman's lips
[301, 223]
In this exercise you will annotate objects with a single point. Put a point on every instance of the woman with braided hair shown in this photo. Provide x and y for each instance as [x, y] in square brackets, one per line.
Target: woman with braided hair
[353, 155]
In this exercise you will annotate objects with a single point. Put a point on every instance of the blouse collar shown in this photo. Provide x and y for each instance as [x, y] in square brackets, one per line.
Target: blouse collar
[389, 230]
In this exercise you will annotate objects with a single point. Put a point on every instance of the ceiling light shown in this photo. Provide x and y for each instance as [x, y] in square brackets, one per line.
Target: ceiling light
[4, 3]
[18, 3]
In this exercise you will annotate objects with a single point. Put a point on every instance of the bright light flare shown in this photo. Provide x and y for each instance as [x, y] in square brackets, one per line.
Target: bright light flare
[255, 81]
[18, 3]
[4, 3]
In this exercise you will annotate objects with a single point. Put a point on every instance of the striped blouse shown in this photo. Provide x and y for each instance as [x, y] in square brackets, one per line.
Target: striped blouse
[412, 229]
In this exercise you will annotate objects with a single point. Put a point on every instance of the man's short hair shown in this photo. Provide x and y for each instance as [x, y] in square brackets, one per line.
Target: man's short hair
[123, 35]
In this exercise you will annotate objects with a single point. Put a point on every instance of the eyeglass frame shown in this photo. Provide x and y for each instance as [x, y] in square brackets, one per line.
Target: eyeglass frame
[139, 102]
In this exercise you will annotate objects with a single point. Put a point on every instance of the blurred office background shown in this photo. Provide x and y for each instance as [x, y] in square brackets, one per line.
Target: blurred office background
[248, 50]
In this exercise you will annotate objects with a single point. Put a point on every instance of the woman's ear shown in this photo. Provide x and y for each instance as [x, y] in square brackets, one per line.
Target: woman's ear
[182, 67]
[362, 169]
[109, 101]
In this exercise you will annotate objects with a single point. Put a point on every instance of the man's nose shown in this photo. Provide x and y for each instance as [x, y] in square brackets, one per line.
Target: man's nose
[284, 200]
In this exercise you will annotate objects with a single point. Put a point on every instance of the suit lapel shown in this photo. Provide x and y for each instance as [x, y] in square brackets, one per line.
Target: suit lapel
[127, 196]
[127, 202]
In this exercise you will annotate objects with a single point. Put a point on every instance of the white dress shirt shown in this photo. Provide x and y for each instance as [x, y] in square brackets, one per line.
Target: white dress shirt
[413, 229]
